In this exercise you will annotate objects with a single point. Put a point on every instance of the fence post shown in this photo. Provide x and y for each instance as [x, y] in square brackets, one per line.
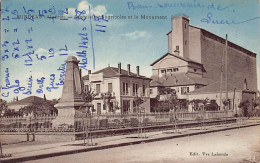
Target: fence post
[28, 136]
[33, 136]
[1, 151]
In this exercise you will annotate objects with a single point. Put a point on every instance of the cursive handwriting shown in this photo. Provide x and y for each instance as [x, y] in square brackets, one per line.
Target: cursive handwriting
[29, 87]
[62, 74]
[52, 79]
[40, 83]
[210, 19]
[7, 81]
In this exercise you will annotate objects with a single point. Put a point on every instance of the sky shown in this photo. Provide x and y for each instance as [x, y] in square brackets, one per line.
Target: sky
[45, 43]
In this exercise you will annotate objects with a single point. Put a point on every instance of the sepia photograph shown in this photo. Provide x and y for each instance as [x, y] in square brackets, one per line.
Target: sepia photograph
[130, 81]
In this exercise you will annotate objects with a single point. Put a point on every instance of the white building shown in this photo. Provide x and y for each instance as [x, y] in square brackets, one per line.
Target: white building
[124, 87]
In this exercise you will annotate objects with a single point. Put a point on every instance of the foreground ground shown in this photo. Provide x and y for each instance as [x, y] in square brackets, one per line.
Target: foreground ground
[238, 145]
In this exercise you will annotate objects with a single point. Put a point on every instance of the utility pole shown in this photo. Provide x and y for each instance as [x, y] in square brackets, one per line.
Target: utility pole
[226, 67]
[221, 81]
[226, 80]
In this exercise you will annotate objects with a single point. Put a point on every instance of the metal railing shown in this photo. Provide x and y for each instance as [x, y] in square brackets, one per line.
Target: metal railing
[104, 121]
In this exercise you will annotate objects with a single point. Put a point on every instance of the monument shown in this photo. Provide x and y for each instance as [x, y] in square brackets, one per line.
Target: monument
[71, 100]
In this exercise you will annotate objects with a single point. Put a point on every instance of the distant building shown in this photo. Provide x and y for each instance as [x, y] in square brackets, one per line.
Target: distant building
[31, 100]
[195, 60]
[124, 87]
[212, 92]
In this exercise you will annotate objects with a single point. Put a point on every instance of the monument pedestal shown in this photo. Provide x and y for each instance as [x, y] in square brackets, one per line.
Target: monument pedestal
[66, 116]
[67, 112]
[71, 99]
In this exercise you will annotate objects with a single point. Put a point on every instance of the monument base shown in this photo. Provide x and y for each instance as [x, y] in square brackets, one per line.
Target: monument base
[65, 118]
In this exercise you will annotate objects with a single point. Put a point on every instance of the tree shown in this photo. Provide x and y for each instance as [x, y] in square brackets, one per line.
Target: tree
[137, 102]
[3, 106]
[244, 106]
[166, 100]
[226, 103]
[195, 103]
[45, 108]
[107, 97]
[88, 97]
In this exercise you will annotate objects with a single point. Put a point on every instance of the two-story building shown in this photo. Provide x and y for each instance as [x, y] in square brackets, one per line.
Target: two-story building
[124, 87]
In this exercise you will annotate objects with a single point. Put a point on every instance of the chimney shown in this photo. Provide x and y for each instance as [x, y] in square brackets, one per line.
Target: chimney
[89, 71]
[137, 71]
[128, 69]
[119, 67]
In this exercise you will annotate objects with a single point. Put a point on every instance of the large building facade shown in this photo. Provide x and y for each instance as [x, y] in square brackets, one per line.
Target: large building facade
[196, 55]
[123, 87]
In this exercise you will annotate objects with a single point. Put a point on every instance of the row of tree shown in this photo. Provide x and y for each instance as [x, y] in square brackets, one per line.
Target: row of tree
[165, 102]
[45, 108]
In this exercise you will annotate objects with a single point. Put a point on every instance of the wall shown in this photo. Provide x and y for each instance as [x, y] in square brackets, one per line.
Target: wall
[104, 89]
[241, 66]
[195, 44]
[216, 96]
[131, 96]
[178, 36]
[178, 91]
[154, 93]
[169, 61]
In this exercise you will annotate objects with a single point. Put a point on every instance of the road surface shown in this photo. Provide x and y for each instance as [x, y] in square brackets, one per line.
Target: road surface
[238, 145]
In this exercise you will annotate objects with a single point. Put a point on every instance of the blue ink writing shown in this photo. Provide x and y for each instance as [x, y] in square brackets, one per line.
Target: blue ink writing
[52, 79]
[40, 83]
[210, 19]
[29, 88]
[62, 74]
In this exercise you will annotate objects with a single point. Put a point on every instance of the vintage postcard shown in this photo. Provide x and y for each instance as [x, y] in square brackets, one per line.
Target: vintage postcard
[130, 81]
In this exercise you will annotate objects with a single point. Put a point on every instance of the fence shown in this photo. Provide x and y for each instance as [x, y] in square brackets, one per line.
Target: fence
[105, 121]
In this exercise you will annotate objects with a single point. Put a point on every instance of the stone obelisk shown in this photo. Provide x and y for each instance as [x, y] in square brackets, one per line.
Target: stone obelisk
[71, 98]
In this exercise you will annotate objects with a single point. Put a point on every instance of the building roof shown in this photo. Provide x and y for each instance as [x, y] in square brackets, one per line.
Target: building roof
[222, 40]
[230, 44]
[178, 79]
[215, 87]
[110, 72]
[28, 100]
[182, 58]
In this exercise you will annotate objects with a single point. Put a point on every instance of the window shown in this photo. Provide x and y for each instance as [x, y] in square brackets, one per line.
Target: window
[98, 108]
[175, 69]
[195, 69]
[186, 42]
[86, 88]
[125, 88]
[177, 47]
[110, 87]
[185, 25]
[143, 90]
[97, 88]
[126, 106]
[184, 90]
[135, 89]
[163, 71]
[151, 91]
[169, 70]
[104, 106]
[245, 84]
